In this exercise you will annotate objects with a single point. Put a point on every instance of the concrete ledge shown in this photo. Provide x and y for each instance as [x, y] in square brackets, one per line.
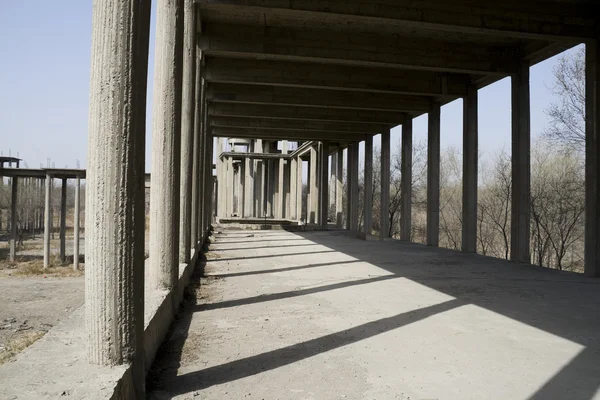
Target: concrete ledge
[56, 365]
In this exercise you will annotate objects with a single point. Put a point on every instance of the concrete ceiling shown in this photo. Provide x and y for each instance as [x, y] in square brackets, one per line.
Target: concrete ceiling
[341, 70]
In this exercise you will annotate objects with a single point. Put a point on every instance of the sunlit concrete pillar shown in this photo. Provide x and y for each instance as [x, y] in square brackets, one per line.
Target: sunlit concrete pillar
[433, 176]
[406, 180]
[166, 145]
[299, 189]
[76, 223]
[221, 176]
[353, 186]
[339, 183]
[194, 229]
[249, 188]
[324, 182]
[470, 153]
[384, 208]
[187, 131]
[63, 220]
[280, 188]
[229, 180]
[349, 187]
[592, 169]
[208, 211]
[368, 187]
[332, 178]
[313, 193]
[13, 217]
[521, 170]
[293, 189]
[48, 210]
[114, 273]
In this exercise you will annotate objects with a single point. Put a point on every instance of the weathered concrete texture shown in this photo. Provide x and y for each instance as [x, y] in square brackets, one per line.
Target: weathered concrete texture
[470, 167]
[406, 183]
[55, 366]
[321, 316]
[433, 176]
[166, 144]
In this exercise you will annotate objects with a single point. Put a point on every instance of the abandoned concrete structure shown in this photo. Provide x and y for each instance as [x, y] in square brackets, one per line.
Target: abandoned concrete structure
[329, 74]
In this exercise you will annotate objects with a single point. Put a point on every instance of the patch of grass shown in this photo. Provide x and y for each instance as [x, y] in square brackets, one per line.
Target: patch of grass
[19, 343]
[36, 268]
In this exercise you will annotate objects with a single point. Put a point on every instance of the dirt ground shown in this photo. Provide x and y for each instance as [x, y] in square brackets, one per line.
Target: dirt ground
[33, 300]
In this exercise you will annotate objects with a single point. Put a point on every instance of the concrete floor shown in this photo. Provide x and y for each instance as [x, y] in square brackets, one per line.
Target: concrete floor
[321, 316]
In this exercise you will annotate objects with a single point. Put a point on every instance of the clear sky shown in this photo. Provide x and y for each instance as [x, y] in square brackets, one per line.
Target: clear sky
[44, 83]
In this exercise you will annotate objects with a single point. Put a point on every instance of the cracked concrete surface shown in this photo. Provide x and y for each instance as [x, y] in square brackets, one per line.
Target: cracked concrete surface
[319, 315]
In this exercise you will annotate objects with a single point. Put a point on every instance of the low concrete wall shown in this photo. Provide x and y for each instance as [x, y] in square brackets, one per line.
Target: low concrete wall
[56, 365]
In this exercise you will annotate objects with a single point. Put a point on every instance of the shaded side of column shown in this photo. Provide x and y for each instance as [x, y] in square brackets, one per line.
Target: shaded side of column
[470, 164]
[368, 187]
[433, 176]
[406, 181]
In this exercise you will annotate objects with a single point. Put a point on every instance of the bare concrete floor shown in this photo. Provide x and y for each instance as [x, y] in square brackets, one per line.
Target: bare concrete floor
[321, 316]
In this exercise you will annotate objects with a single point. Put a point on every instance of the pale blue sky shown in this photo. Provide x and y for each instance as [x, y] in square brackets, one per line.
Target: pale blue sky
[44, 82]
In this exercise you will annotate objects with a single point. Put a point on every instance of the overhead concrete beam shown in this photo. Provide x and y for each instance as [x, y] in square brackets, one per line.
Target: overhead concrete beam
[335, 77]
[278, 134]
[231, 93]
[312, 46]
[298, 113]
[285, 125]
[507, 18]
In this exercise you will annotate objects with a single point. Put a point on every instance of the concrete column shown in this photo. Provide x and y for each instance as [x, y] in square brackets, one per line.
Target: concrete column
[63, 221]
[194, 231]
[293, 189]
[592, 165]
[313, 181]
[521, 161]
[13, 217]
[229, 189]
[222, 177]
[324, 190]
[433, 176]
[208, 211]
[280, 188]
[368, 192]
[470, 153]
[384, 208]
[166, 145]
[354, 186]
[349, 169]
[406, 181]
[299, 189]
[339, 183]
[76, 223]
[249, 188]
[187, 131]
[332, 180]
[114, 273]
[48, 213]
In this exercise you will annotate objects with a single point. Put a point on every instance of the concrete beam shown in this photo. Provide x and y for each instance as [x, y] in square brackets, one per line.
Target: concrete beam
[335, 77]
[509, 19]
[320, 98]
[470, 166]
[308, 45]
[284, 125]
[292, 135]
[433, 177]
[298, 113]
[592, 185]
[521, 167]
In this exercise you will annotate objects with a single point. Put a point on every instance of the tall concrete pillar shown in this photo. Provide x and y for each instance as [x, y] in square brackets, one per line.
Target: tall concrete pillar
[63, 220]
[339, 183]
[76, 223]
[293, 189]
[313, 181]
[194, 231]
[349, 169]
[324, 189]
[229, 189]
[433, 176]
[406, 181]
[385, 184]
[521, 170]
[208, 212]
[13, 217]
[222, 177]
[332, 180]
[354, 187]
[368, 188]
[592, 164]
[280, 188]
[166, 145]
[114, 274]
[470, 153]
[299, 189]
[187, 131]
[249, 188]
[48, 213]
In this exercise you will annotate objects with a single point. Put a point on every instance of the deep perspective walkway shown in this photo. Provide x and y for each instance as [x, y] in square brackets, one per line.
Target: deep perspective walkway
[319, 315]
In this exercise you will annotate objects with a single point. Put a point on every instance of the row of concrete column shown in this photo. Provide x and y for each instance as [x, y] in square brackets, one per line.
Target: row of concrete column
[181, 174]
